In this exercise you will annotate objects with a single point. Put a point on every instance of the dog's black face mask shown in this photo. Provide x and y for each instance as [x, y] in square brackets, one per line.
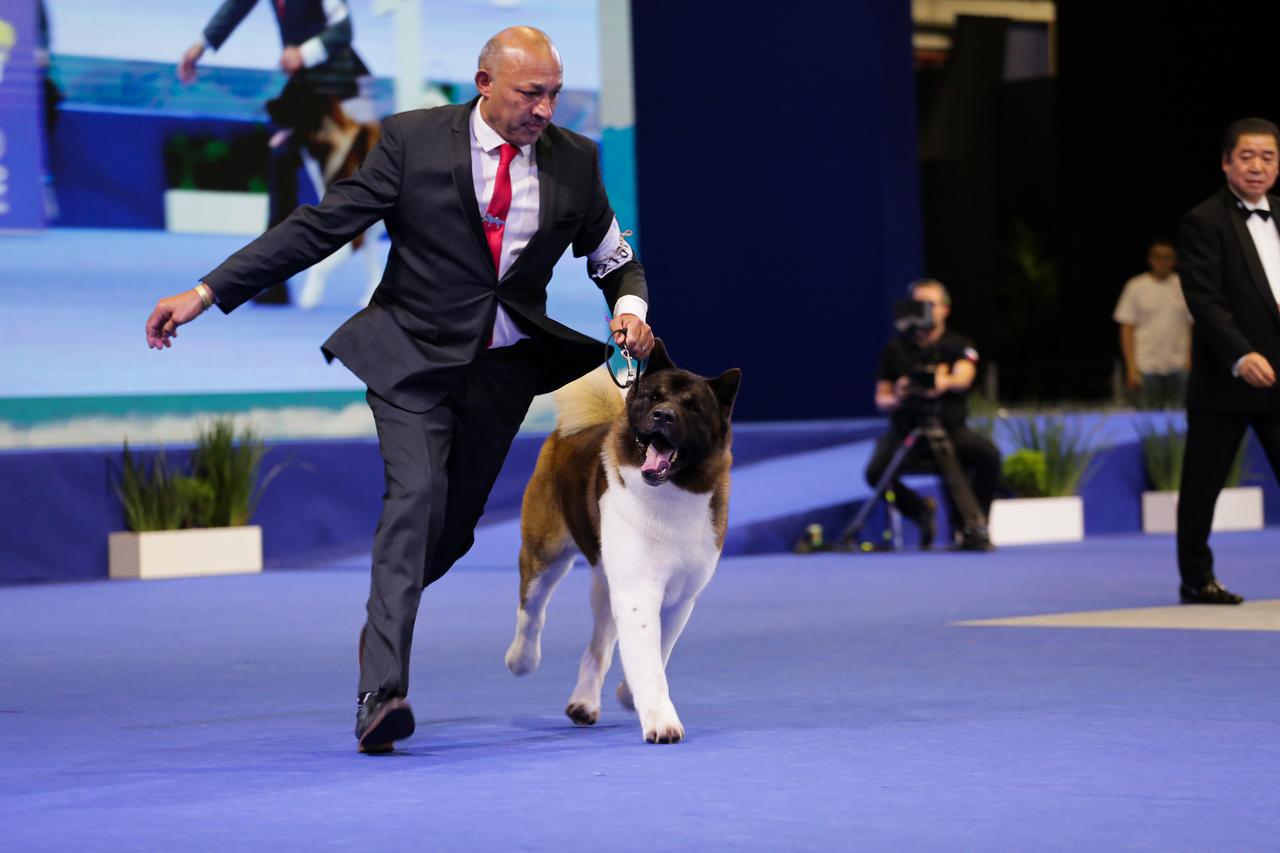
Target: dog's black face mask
[678, 419]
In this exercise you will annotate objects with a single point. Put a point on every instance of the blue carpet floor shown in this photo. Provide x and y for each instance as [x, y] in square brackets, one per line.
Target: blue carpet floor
[830, 704]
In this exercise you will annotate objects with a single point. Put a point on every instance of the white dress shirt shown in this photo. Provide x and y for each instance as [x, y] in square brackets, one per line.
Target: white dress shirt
[522, 222]
[1266, 239]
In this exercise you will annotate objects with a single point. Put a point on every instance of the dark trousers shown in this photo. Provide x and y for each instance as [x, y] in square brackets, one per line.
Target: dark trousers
[282, 200]
[979, 458]
[440, 466]
[1212, 441]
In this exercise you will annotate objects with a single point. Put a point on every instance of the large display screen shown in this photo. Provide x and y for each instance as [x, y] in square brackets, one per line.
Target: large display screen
[140, 182]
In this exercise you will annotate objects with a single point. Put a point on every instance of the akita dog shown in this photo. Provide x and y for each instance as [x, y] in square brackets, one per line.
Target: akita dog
[639, 486]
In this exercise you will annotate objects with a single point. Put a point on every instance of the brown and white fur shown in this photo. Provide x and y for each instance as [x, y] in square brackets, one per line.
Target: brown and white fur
[640, 488]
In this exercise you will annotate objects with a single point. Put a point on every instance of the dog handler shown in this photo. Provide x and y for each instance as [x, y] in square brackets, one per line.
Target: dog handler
[480, 201]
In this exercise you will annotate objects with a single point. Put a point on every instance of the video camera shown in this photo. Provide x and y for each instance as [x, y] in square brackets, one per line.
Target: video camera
[912, 317]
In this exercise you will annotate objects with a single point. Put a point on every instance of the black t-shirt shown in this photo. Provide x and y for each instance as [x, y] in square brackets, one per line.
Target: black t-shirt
[904, 355]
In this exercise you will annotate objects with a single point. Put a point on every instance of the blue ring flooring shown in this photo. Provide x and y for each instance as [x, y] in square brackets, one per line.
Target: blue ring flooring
[830, 702]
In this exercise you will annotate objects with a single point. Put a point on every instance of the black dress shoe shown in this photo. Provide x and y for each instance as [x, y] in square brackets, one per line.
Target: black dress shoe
[927, 521]
[971, 542]
[1211, 593]
[381, 721]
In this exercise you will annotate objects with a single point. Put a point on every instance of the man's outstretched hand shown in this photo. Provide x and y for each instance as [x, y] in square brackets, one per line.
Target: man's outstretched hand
[169, 314]
[187, 65]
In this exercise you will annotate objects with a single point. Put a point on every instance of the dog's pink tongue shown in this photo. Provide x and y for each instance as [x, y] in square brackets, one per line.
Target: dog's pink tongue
[656, 461]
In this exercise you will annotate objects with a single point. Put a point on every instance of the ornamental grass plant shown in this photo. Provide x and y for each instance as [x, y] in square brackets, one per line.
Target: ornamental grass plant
[219, 487]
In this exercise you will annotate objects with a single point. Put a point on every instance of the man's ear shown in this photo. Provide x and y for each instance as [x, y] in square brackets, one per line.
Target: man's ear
[658, 359]
[726, 387]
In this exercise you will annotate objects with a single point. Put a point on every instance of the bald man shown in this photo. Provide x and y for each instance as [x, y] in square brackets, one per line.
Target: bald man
[480, 201]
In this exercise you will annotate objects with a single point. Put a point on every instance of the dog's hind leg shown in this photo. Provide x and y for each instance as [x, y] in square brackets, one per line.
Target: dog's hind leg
[584, 704]
[539, 576]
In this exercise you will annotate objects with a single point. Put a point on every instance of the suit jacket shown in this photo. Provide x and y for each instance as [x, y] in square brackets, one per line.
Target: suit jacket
[302, 20]
[1233, 307]
[434, 309]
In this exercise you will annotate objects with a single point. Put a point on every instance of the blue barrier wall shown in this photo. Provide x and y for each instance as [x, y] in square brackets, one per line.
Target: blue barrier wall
[109, 166]
[778, 191]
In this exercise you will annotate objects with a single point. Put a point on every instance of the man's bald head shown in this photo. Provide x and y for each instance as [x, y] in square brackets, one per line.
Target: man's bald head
[516, 43]
[519, 80]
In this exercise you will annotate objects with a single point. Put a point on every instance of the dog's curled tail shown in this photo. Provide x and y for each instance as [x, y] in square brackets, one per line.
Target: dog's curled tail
[589, 401]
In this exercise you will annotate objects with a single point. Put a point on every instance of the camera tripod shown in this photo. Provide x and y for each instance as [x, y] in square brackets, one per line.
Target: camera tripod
[944, 454]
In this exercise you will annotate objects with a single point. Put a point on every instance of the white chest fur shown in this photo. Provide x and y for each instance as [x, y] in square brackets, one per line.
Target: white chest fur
[661, 537]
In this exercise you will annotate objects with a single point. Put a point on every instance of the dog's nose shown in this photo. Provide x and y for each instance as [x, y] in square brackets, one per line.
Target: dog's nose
[664, 416]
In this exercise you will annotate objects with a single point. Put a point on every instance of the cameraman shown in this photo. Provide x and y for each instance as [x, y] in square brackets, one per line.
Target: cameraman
[927, 371]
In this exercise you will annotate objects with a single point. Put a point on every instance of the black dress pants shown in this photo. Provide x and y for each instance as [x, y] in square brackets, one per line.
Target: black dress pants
[282, 199]
[440, 466]
[978, 457]
[1212, 441]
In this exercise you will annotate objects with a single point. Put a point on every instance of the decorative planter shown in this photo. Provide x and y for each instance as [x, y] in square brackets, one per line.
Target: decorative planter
[185, 553]
[1238, 508]
[212, 212]
[1025, 521]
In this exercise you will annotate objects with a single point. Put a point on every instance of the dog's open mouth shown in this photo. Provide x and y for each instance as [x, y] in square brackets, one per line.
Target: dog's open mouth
[659, 457]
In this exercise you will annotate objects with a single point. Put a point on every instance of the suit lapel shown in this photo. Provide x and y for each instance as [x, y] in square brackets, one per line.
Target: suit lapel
[1250, 251]
[464, 182]
[544, 157]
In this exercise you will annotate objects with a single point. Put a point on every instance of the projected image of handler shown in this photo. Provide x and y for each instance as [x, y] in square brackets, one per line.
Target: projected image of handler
[925, 375]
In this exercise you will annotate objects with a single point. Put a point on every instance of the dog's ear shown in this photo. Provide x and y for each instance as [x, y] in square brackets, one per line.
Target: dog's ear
[658, 359]
[725, 387]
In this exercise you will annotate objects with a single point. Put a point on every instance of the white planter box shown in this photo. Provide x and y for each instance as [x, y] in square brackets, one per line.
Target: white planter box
[185, 553]
[1239, 508]
[1024, 521]
[210, 212]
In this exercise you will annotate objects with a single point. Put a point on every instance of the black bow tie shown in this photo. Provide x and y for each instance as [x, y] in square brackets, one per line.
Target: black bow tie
[1246, 212]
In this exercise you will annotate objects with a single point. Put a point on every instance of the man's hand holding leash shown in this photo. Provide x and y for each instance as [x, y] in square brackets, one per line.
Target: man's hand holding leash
[639, 337]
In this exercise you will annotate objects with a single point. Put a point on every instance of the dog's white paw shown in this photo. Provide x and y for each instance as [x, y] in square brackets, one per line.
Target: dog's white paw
[582, 713]
[523, 657]
[624, 696]
[662, 726]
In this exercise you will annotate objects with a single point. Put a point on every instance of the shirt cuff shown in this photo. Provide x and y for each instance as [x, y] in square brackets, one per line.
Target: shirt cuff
[629, 304]
[613, 252]
[313, 52]
[207, 46]
[1235, 368]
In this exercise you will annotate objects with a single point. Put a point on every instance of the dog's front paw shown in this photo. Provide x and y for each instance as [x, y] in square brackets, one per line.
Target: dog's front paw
[624, 696]
[663, 726]
[582, 714]
[523, 657]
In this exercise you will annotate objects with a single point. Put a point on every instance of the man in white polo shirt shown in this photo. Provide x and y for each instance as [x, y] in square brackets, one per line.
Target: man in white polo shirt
[1155, 331]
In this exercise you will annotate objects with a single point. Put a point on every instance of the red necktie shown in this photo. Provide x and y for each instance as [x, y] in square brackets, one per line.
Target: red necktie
[495, 218]
[280, 9]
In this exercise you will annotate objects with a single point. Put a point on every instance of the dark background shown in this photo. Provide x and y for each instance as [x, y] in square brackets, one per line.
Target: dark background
[778, 193]
[783, 211]
[1041, 195]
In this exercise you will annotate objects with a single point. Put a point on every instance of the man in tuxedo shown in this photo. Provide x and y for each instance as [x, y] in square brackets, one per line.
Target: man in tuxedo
[480, 200]
[1229, 263]
[318, 57]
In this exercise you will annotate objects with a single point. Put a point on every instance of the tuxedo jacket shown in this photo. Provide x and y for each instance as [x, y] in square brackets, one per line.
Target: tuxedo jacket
[434, 309]
[302, 20]
[1233, 307]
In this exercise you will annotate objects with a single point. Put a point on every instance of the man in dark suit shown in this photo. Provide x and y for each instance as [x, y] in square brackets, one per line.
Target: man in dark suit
[1229, 262]
[456, 341]
[318, 57]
